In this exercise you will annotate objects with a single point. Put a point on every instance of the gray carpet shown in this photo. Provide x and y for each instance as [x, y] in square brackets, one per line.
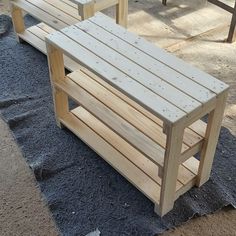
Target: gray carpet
[83, 192]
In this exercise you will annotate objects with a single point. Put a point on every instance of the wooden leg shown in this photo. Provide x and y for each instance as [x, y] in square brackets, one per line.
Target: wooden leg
[232, 29]
[122, 13]
[18, 21]
[211, 138]
[171, 167]
[87, 10]
[57, 72]
[164, 2]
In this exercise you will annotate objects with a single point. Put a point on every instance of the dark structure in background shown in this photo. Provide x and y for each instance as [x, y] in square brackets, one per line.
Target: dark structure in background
[232, 32]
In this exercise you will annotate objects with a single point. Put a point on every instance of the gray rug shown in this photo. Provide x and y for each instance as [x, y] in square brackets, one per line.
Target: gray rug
[83, 192]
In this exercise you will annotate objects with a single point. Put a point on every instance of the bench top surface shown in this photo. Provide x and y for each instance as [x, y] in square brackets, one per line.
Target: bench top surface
[162, 83]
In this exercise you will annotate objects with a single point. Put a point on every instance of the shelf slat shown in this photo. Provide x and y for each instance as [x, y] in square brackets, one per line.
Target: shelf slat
[86, 126]
[136, 176]
[140, 141]
[150, 128]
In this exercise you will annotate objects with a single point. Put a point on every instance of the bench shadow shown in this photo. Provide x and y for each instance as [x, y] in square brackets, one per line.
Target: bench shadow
[170, 13]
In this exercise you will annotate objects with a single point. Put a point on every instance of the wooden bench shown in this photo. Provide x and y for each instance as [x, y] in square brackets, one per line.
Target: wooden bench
[58, 14]
[138, 107]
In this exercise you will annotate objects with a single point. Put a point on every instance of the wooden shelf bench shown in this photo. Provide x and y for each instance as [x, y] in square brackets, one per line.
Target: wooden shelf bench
[58, 14]
[139, 107]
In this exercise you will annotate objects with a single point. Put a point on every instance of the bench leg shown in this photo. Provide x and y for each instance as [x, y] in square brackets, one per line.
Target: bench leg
[57, 73]
[164, 2]
[211, 138]
[87, 10]
[232, 29]
[122, 13]
[171, 167]
[17, 20]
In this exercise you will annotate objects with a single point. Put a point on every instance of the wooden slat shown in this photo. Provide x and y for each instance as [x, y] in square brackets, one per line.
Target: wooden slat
[70, 3]
[35, 36]
[145, 145]
[164, 74]
[185, 175]
[197, 127]
[192, 141]
[134, 71]
[103, 4]
[69, 10]
[121, 81]
[82, 2]
[127, 112]
[137, 177]
[161, 55]
[34, 40]
[40, 14]
[192, 164]
[46, 28]
[53, 11]
[119, 144]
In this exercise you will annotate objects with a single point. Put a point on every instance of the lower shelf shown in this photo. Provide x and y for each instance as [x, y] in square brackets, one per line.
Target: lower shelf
[129, 162]
[35, 36]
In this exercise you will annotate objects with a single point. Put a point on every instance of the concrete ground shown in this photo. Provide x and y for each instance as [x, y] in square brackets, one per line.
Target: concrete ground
[191, 29]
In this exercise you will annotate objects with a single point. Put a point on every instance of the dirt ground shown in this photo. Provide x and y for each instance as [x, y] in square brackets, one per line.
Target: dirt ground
[192, 30]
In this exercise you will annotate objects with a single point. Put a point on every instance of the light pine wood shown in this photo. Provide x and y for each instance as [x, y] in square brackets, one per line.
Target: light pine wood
[103, 4]
[155, 132]
[56, 13]
[149, 168]
[87, 10]
[152, 150]
[40, 14]
[162, 108]
[60, 13]
[162, 73]
[132, 69]
[194, 74]
[65, 7]
[186, 171]
[135, 175]
[57, 73]
[171, 168]
[134, 117]
[87, 127]
[122, 13]
[31, 38]
[36, 36]
[198, 127]
[18, 21]
[212, 133]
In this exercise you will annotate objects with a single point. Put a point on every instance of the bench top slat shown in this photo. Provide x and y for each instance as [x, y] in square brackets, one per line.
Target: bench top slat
[65, 7]
[134, 71]
[40, 14]
[160, 70]
[151, 101]
[53, 11]
[194, 74]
